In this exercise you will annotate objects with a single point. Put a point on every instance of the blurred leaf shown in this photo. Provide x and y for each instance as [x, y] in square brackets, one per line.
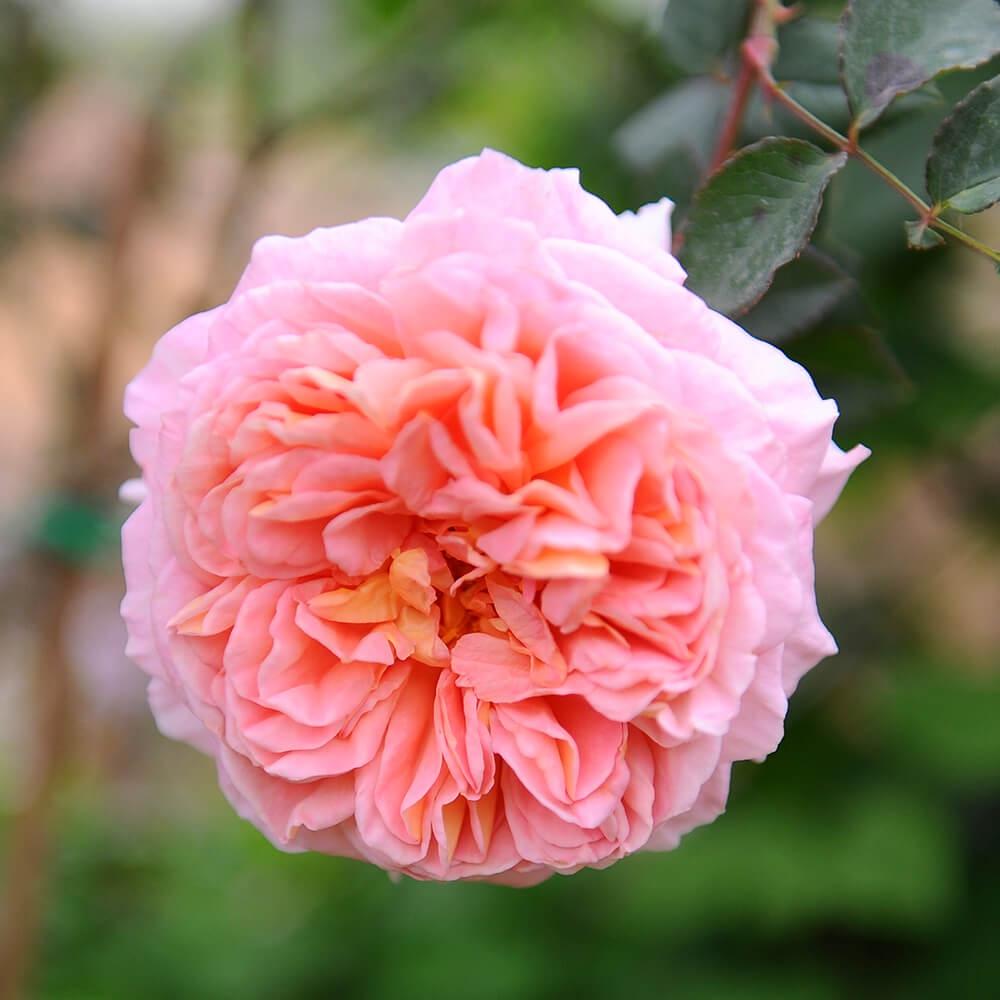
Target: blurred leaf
[963, 169]
[808, 51]
[808, 66]
[27, 65]
[943, 723]
[755, 214]
[827, 102]
[764, 117]
[74, 529]
[803, 293]
[697, 33]
[852, 363]
[860, 210]
[669, 142]
[894, 46]
[920, 237]
[684, 119]
[878, 855]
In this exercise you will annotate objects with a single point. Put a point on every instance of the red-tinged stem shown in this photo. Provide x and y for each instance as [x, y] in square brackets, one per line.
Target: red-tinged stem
[756, 56]
[734, 116]
[848, 144]
[761, 34]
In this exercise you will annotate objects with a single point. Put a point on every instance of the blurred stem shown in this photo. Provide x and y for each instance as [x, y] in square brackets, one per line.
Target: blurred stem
[29, 846]
[762, 26]
[255, 75]
[757, 54]
[85, 448]
[734, 116]
[928, 213]
[263, 129]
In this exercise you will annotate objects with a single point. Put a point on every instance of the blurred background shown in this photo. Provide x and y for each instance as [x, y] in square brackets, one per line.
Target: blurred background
[143, 147]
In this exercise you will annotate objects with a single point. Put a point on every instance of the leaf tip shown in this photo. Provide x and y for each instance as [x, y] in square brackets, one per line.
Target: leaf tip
[919, 236]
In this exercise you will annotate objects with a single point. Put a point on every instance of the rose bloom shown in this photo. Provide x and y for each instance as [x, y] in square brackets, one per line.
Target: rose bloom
[475, 545]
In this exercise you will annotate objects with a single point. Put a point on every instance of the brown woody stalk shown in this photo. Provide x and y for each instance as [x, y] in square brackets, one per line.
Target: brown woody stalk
[84, 455]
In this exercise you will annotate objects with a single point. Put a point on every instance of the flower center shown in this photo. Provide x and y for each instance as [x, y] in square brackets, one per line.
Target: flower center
[423, 601]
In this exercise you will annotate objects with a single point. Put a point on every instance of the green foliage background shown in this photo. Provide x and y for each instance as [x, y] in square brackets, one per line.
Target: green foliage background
[861, 860]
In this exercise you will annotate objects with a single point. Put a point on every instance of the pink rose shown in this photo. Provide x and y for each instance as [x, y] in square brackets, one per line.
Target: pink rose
[474, 545]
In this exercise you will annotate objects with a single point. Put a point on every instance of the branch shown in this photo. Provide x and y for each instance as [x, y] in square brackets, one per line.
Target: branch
[83, 458]
[766, 15]
[757, 54]
[849, 145]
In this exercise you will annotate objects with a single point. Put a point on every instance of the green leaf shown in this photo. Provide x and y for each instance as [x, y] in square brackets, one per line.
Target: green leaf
[74, 529]
[890, 47]
[808, 51]
[963, 169]
[920, 237]
[754, 215]
[808, 67]
[852, 363]
[698, 33]
[802, 294]
[764, 117]
[684, 120]
[668, 143]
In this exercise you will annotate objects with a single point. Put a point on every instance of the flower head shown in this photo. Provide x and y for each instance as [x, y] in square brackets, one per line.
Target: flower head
[475, 545]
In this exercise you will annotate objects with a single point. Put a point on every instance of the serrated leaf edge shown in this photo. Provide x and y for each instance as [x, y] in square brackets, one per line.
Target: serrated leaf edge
[838, 158]
[938, 136]
[860, 122]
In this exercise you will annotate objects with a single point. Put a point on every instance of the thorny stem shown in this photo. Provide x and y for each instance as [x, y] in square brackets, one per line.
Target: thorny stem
[734, 115]
[762, 32]
[757, 54]
[928, 213]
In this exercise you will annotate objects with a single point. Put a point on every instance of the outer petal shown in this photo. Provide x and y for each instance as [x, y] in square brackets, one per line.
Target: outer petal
[833, 474]
[551, 200]
[154, 390]
[651, 222]
[358, 253]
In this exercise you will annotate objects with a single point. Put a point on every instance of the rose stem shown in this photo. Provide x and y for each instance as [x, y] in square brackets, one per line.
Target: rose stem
[765, 15]
[757, 54]
[928, 213]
